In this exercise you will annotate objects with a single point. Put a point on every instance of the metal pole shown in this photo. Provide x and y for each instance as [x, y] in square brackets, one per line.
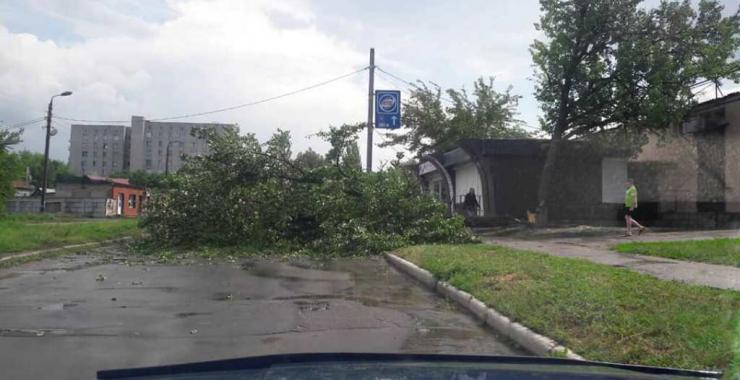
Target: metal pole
[46, 156]
[370, 96]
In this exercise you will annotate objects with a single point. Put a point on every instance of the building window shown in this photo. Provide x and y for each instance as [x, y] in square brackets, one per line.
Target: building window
[105, 153]
[105, 146]
[132, 201]
[115, 164]
[94, 163]
[105, 163]
[83, 164]
[148, 164]
[160, 143]
[84, 153]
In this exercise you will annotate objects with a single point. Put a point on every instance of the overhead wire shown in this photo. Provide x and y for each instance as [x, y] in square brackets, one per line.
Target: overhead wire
[25, 123]
[408, 83]
[224, 109]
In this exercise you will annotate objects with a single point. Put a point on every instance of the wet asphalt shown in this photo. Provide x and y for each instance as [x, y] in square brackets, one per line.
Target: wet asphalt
[68, 317]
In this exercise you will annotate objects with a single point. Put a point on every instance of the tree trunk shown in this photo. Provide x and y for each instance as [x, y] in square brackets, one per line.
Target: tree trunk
[553, 150]
[548, 171]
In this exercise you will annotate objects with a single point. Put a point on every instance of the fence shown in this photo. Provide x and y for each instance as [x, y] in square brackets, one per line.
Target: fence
[87, 207]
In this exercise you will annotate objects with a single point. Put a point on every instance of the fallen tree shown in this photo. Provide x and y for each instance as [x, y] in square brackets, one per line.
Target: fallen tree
[247, 193]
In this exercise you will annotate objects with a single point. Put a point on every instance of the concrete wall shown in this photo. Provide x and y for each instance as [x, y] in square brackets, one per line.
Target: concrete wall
[613, 178]
[732, 158]
[85, 207]
[677, 185]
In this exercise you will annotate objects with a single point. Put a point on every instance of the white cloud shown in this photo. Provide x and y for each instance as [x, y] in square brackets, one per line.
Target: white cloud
[209, 55]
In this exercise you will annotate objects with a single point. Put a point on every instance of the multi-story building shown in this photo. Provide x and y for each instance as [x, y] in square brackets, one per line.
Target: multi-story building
[154, 147]
[158, 147]
[98, 149]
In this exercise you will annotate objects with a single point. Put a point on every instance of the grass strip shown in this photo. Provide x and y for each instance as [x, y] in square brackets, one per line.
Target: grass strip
[19, 235]
[601, 312]
[715, 251]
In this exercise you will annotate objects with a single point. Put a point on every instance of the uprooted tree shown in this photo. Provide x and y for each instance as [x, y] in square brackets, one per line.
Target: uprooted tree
[246, 193]
[610, 67]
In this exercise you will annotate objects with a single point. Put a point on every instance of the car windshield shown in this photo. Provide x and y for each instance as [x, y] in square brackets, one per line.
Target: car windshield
[188, 181]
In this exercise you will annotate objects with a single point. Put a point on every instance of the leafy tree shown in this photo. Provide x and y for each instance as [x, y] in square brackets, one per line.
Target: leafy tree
[9, 166]
[608, 66]
[309, 160]
[429, 126]
[8, 138]
[35, 162]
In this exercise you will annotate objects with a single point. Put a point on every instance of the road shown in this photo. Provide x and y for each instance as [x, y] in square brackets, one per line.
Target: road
[68, 317]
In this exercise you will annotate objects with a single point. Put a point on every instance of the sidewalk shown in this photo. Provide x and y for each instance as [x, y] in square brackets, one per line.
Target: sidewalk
[593, 245]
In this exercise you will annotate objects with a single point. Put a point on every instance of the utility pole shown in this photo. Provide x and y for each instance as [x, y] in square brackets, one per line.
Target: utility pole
[46, 149]
[370, 97]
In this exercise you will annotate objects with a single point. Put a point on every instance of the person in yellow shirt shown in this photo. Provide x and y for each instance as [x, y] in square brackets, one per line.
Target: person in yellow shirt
[630, 204]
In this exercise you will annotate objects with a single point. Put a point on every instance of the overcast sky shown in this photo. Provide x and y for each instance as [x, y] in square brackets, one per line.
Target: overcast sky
[160, 58]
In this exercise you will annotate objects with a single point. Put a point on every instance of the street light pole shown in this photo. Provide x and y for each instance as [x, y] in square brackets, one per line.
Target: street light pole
[46, 149]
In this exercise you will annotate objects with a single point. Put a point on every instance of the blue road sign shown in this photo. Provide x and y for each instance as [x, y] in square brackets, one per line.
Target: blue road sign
[387, 109]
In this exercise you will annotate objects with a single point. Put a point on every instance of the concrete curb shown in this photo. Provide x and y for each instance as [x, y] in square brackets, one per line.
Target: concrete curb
[64, 247]
[530, 340]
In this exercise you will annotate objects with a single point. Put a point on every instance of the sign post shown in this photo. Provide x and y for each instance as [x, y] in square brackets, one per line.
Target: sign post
[387, 109]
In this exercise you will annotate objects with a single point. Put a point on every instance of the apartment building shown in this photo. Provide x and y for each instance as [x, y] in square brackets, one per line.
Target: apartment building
[158, 147]
[151, 146]
[98, 149]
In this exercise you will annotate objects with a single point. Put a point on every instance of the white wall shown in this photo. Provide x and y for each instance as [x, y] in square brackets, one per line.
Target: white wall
[613, 177]
[466, 176]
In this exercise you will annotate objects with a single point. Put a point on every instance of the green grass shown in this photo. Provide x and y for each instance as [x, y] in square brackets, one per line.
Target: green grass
[23, 233]
[601, 312]
[715, 251]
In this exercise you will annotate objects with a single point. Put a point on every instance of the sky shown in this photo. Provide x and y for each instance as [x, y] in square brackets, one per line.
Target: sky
[161, 58]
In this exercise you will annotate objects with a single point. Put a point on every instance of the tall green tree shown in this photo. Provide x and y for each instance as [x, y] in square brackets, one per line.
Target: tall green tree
[35, 162]
[309, 159]
[9, 165]
[431, 126]
[609, 65]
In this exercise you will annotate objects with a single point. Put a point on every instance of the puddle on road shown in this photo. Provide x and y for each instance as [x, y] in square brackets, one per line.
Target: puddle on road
[222, 296]
[57, 306]
[304, 306]
[190, 314]
[30, 333]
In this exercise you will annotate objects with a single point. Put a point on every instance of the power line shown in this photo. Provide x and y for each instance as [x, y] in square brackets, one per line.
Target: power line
[411, 84]
[253, 103]
[89, 121]
[385, 141]
[25, 123]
